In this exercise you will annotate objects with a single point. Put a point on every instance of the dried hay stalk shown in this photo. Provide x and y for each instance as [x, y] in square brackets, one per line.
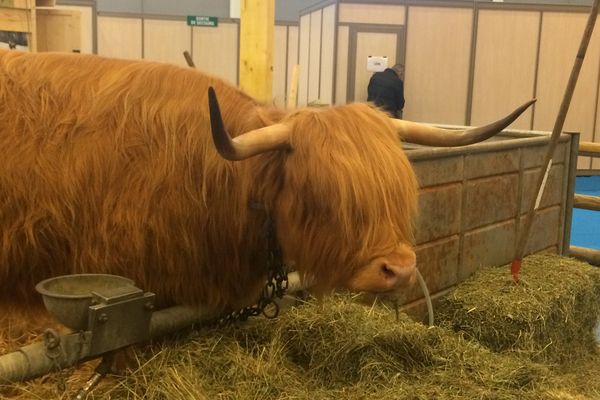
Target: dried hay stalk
[338, 349]
[550, 315]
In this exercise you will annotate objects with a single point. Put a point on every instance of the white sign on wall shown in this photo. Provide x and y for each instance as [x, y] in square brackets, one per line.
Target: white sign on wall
[377, 63]
[234, 9]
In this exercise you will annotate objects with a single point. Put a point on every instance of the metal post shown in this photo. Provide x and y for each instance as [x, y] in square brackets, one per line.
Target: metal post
[570, 193]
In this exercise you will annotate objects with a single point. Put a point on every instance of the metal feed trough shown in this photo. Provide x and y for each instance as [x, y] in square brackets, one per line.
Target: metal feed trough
[107, 313]
[117, 312]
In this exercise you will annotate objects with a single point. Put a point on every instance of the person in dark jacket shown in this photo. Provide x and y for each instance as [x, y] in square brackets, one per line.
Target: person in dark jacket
[386, 90]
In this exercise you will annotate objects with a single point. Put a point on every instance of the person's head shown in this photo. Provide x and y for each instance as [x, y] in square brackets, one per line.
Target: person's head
[399, 70]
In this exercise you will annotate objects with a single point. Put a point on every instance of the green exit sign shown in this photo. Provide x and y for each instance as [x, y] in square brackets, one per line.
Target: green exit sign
[202, 21]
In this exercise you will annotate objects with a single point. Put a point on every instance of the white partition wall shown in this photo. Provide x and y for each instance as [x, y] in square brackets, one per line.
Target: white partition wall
[86, 25]
[285, 56]
[303, 54]
[314, 56]
[465, 63]
[561, 33]
[434, 93]
[504, 73]
[279, 65]
[327, 55]
[292, 55]
[166, 40]
[215, 50]
[341, 78]
[119, 37]
[379, 14]
[317, 56]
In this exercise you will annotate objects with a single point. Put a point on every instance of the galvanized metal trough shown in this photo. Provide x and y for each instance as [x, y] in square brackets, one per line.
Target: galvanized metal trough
[473, 201]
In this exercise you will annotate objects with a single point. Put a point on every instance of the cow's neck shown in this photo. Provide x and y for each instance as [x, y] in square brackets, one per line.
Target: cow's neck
[277, 278]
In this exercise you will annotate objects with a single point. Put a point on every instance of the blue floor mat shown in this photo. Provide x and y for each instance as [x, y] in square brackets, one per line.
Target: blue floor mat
[585, 227]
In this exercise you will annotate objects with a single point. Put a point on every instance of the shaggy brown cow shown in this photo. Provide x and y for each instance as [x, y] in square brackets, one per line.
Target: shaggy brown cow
[108, 166]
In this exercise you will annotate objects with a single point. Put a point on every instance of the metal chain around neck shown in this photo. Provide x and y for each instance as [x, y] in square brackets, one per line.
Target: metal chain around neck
[277, 278]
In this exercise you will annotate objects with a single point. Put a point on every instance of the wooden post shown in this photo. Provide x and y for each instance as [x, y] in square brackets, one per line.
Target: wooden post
[587, 202]
[257, 24]
[292, 100]
[591, 256]
[589, 147]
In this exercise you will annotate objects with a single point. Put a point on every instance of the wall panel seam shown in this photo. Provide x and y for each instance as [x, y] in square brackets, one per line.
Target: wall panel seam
[537, 68]
[472, 56]
[320, 56]
[336, 19]
[286, 65]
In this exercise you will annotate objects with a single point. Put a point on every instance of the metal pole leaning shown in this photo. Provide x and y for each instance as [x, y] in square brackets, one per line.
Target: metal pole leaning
[558, 126]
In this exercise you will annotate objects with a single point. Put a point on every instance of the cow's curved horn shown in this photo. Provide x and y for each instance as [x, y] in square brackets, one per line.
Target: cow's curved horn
[252, 143]
[427, 135]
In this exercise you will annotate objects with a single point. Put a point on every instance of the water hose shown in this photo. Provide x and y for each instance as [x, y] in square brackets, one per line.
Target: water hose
[427, 297]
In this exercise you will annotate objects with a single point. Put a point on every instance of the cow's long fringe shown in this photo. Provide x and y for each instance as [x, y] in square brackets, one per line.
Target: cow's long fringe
[349, 169]
[107, 166]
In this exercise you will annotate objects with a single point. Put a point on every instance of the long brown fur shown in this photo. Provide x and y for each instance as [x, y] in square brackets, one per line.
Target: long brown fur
[108, 166]
[349, 194]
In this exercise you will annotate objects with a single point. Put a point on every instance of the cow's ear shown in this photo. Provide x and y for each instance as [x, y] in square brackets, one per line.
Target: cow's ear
[428, 135]
[249, 144]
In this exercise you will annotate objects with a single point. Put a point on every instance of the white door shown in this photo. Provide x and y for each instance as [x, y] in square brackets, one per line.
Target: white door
[371, 44]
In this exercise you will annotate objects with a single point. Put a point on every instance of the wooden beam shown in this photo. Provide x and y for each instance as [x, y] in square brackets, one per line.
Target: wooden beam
[292, 100]
[17, 3]
[589, 147]
[33, 34]
[257, 24]
[587, 202]
[588, 255]
[45, 3]
[15, 20]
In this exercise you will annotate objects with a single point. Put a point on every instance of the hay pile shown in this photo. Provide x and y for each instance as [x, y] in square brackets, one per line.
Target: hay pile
[551, 314]
[335, 349]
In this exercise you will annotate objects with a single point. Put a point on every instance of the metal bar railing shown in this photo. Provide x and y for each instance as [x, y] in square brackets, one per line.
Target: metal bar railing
[590, 147]
[587, 202]
[591, 256]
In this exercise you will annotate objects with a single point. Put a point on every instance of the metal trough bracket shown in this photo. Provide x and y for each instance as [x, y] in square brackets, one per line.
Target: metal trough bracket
[119, 318]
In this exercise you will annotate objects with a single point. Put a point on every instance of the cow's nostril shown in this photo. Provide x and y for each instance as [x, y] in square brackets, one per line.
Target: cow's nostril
[387, 271]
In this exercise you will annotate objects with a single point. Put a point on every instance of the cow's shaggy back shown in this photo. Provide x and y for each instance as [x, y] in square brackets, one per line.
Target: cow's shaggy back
[108, 166]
